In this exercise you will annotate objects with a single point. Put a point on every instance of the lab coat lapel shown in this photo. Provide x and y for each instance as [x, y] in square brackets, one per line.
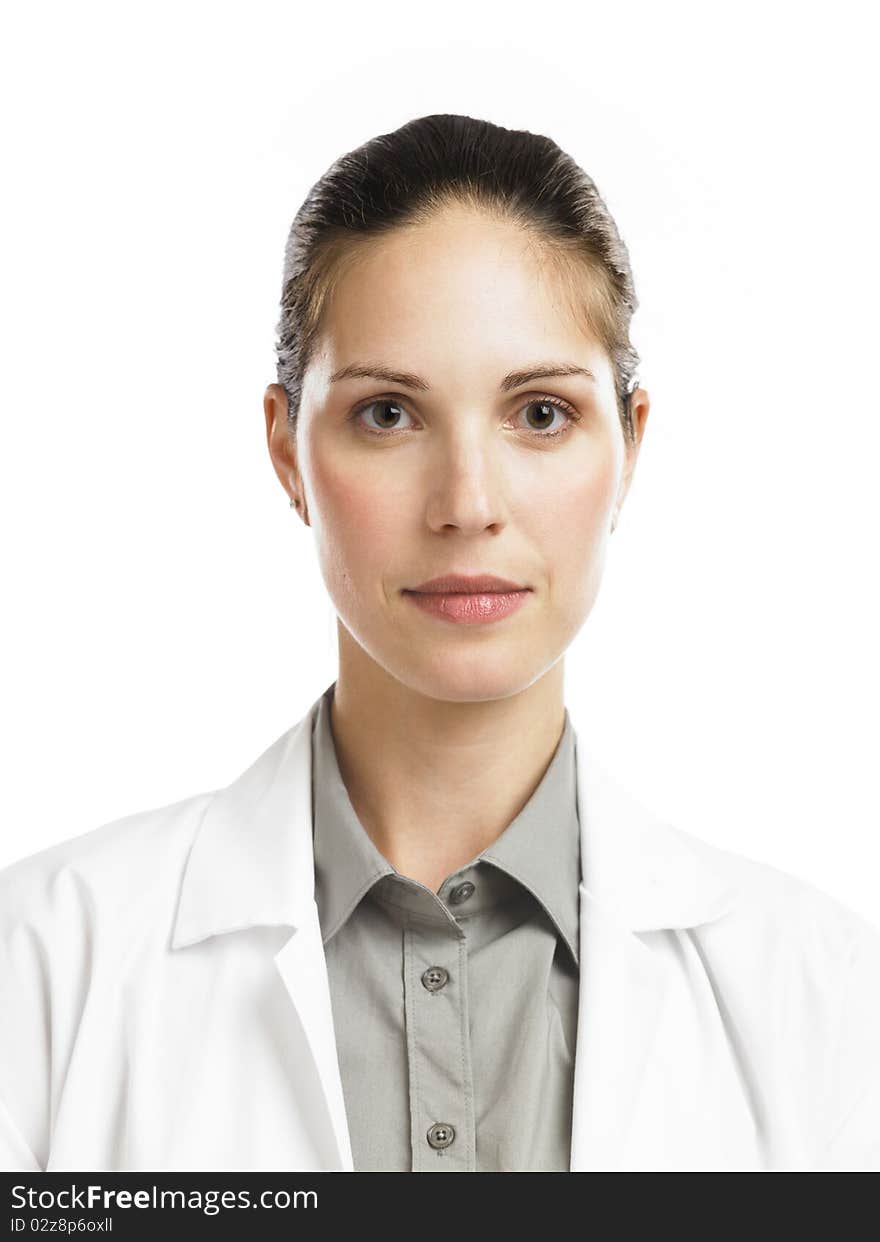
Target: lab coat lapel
[303, 968]
[251, 864]
[302, 964]
[620, 1001]
[638, 874]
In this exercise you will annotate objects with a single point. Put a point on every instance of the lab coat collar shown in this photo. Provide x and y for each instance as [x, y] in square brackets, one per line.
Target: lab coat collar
[252, 859]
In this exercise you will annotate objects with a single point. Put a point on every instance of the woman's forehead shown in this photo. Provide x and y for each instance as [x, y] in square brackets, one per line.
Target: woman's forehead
[468, 292]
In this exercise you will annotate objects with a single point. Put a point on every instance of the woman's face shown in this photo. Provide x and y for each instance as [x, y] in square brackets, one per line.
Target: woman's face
[461, 470]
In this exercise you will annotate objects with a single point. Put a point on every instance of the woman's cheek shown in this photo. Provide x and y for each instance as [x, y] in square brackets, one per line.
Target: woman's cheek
[580, 518]
[356, 533]
[570, 513]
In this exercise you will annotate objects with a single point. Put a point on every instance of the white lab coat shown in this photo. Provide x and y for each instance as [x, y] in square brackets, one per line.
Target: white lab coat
[165, 1001]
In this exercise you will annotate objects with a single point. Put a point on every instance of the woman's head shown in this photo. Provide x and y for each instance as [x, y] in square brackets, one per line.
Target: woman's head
[448, 269]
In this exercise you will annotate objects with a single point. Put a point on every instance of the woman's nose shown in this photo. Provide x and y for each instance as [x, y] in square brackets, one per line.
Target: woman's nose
[466, 489]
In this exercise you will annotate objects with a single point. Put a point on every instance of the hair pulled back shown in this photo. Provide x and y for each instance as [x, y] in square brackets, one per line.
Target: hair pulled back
[402, 179]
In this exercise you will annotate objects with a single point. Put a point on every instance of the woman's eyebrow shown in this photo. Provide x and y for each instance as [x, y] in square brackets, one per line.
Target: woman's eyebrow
[542, 370]
[514, 379]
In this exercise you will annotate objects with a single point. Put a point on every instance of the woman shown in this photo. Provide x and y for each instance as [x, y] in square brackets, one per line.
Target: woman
[425, 930]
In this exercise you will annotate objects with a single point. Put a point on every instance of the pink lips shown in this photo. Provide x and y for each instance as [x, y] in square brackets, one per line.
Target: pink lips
[468, 600]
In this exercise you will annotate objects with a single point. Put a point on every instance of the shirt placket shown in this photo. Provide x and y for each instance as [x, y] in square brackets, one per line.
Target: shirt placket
[438, 1046]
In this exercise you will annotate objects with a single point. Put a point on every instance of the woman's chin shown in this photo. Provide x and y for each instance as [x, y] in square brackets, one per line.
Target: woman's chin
[461, 678]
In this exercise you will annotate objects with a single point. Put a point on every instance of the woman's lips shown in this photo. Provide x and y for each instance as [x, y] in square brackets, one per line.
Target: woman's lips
[475, 608]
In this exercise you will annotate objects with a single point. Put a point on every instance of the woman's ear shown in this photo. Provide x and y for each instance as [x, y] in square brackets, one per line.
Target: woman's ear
[640, 404]
[282, 447]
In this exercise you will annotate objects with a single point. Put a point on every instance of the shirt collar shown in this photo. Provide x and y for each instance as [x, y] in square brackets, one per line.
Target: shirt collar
[251, 862]
[540, 847]
[347, 863]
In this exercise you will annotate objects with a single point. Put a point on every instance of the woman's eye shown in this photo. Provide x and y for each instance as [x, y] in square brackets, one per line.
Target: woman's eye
[388, 417]
[545, 411]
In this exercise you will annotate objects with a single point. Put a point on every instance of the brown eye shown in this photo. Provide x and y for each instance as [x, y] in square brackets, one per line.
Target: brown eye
[541, 413]
[387, 417]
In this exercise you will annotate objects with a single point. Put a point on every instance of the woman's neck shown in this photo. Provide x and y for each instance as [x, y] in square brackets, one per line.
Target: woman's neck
[434, 782]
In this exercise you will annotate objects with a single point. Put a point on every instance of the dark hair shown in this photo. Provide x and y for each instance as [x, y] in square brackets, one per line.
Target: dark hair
[401, 179]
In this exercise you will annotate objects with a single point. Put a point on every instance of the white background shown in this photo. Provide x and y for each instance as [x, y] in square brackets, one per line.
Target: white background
[164, 619]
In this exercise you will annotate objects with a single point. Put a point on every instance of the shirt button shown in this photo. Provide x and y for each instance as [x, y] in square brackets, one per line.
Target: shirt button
[441, 1134]
[435, 978]
[461, 892]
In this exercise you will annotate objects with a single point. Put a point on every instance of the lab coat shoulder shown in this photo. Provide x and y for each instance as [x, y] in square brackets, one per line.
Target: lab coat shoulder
[766, 892]
[70, 915]
[797, 974]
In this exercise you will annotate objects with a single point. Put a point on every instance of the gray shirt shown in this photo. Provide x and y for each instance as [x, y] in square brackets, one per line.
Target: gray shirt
[456, 1011]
